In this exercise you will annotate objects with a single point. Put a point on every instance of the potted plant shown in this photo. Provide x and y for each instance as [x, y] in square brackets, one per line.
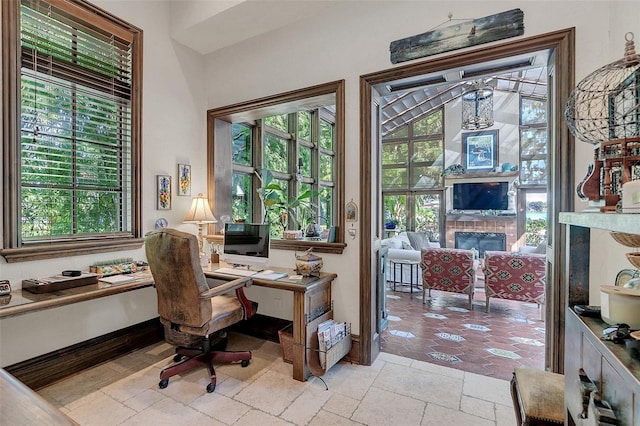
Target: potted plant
[279, 207]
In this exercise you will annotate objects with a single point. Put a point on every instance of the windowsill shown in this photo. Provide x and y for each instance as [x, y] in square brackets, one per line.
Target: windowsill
[21, 302]
[302, 245]
[75, 248]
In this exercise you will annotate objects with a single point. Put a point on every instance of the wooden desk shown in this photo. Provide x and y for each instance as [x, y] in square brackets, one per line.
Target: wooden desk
[311, 299]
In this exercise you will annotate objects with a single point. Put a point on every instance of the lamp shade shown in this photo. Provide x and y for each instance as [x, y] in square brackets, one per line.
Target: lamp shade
[200, 211]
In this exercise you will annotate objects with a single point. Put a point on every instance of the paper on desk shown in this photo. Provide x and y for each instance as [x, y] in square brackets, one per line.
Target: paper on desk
[118, 279]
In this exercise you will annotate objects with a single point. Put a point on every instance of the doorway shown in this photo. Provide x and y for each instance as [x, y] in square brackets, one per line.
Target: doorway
[561, 171]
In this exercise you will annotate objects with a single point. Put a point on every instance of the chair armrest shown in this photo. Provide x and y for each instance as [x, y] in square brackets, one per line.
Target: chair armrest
[238, 283]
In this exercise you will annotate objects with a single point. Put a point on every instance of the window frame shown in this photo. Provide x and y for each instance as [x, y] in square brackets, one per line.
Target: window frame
[13, 249]
[219, 122]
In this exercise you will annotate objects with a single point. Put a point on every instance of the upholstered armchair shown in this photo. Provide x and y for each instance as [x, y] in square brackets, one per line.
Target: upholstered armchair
[515, 276]
[448, 269]
[194, 316]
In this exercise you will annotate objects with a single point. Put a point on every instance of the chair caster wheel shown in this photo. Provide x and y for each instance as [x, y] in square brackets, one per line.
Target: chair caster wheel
[211, 387]
[163, 383]
[177, 358]
[244, 363]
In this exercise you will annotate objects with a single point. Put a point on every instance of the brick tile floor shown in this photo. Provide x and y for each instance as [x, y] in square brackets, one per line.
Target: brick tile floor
[492, 344]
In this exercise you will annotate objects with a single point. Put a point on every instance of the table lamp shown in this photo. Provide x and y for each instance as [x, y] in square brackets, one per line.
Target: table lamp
[200, 213]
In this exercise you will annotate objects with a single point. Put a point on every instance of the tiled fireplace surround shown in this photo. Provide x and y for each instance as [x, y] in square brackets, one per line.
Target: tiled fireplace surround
[478, 223]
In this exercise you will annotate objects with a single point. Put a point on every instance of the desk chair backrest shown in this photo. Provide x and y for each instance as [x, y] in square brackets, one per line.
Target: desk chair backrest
[175, 265]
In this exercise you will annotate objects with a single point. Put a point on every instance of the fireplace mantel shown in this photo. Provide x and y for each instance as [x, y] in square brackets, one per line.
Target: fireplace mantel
[475, 217]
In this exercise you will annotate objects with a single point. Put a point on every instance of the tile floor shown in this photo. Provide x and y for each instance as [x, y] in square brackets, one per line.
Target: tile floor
[443, 331]
[125, 392]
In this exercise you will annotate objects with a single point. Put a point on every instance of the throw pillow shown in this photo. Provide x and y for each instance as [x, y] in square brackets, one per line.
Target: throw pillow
[418, 240]
[542, 248]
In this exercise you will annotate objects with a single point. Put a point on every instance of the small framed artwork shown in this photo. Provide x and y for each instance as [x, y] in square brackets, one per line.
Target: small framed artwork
[352, 212]
[163, 183]
[480, 151]
[184, 179]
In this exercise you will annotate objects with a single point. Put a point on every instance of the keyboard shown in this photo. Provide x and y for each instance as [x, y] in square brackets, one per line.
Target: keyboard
[234, 271]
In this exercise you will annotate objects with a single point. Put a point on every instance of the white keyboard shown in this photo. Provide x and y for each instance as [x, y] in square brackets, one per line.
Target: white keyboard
[234, 271]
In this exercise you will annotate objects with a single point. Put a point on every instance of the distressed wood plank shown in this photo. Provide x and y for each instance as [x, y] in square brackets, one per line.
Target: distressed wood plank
[470, 33]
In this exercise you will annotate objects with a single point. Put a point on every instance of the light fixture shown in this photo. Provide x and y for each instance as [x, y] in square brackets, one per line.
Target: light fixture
[605, 105]
[200, 213]
[477, 106]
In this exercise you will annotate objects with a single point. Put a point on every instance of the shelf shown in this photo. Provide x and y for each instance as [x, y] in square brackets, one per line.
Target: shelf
[481, 175]
[621, 222]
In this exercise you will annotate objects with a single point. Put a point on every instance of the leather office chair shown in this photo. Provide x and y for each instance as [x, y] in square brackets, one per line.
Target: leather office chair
[191, 312]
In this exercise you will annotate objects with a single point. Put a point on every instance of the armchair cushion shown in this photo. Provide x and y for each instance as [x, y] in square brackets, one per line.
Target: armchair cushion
[515, 276]
[447, 269]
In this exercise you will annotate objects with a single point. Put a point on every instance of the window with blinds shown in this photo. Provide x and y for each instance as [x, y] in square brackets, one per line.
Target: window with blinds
[78, 124]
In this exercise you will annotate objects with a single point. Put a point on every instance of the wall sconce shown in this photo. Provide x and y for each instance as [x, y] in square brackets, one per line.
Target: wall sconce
[200, 213]
[477, 106]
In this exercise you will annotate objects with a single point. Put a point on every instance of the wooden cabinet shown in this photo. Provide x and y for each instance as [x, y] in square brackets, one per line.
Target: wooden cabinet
[615, 374]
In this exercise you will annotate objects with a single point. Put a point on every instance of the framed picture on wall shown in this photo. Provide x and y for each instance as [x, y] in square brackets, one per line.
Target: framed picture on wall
[480, 151]
[163, 183]
[184, 179]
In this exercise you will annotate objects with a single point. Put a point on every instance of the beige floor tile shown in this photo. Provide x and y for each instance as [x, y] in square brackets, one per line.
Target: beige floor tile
[134, 384]
[394, 359]
[143, 400]
[487, 388]
[438, 369]
[272, 392]
[505, 415]
[380, 407]
[325, 418]
[170, 412]
[307, 405]
[78, 385]
[423, 385]
[341, 405]
[478, 407]
[101, 410]
[256, 417]
[350, 380]
[436, 415]
[220, 407]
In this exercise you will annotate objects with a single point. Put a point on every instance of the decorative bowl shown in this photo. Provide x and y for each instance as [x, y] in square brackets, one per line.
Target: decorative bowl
[626, 239]
[634, 258]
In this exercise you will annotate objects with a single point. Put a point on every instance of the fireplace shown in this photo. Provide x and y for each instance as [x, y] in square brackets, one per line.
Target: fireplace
[481, 241]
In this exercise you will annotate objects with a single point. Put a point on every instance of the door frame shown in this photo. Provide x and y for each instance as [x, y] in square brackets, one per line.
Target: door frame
[561, 180]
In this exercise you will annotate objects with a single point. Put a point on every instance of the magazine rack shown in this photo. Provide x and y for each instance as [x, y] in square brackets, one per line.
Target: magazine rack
[332, 355]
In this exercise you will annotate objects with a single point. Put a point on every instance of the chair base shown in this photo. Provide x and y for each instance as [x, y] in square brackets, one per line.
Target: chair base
[187, 359]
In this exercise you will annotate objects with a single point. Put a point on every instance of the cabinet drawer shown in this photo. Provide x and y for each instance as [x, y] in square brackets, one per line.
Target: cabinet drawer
[616, 392]
[573, 345]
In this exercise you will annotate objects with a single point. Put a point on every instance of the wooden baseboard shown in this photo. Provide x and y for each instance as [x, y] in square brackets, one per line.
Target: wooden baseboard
[45, 369]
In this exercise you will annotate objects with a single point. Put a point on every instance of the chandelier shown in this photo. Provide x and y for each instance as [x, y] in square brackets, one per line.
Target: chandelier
[605, 105]
[477, 106]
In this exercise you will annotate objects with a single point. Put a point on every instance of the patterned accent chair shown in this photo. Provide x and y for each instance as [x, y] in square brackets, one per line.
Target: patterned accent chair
[448, 269]
[515, 276]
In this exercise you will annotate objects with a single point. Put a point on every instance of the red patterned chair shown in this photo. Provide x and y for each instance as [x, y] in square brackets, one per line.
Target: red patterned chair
[514, 276]
[449, 270]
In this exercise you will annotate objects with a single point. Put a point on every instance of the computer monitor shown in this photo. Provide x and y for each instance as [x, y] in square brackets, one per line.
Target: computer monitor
[246, 244]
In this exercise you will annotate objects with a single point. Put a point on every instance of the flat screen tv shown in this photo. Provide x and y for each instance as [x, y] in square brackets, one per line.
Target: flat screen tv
[481, 196]
[246, 244]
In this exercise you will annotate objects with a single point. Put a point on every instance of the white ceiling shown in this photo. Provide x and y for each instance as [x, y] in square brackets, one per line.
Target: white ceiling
[209, 25]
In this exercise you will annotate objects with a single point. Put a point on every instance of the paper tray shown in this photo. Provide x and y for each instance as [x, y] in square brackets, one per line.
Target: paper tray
[58, 282]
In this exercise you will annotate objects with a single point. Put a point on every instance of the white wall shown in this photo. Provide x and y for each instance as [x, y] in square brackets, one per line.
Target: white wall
[173, 132]
[353, 39]
[345, 42]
